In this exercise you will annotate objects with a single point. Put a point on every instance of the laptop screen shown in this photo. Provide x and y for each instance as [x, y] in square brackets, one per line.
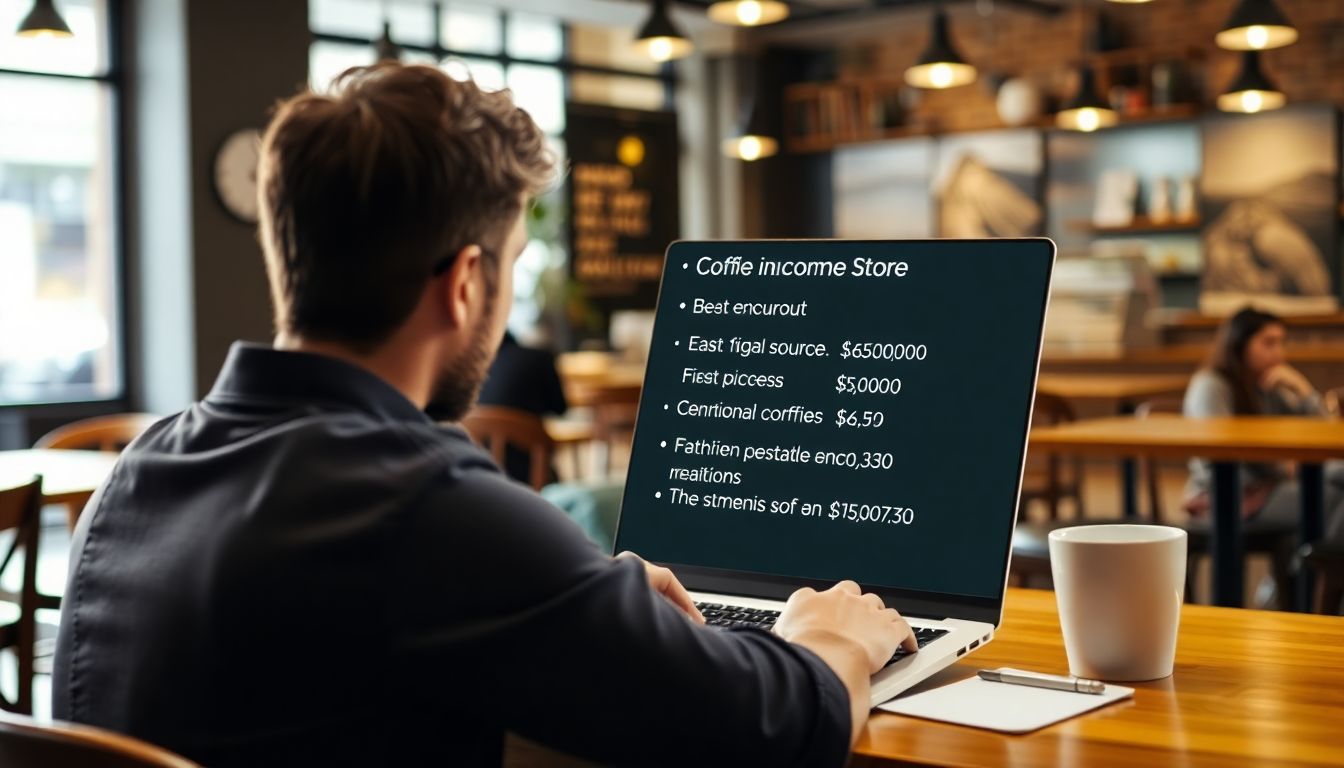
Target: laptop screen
[830, 410]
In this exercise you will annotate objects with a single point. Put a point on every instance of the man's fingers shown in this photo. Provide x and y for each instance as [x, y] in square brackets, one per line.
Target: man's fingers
[873, 600]
[674, 591]
[848, 587]
[908, 641]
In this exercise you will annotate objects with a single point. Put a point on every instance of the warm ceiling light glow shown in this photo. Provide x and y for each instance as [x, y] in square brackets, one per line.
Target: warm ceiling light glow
[1252, 91]
[941, 74]
[1251, 102]
[1256, 25]
[750, 147]
[1086, 119]
[748, 13]
[940, 66]
[1086, 111]
[659, 38]
[43, 21]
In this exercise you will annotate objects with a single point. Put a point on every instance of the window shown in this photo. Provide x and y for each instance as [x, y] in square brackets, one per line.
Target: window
[542, 61]
[60, 314]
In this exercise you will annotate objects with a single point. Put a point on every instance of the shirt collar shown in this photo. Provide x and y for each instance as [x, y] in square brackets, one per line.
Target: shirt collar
[256, 372]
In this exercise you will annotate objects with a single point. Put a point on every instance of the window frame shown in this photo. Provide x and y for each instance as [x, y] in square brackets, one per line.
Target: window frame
[113, 78]
[666, 74]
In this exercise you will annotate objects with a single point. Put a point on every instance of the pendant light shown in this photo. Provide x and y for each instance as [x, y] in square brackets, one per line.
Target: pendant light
[385, 49]
[43, 21]
[1251, 91]
[940, 66]
[659, 38]
[748, 13]
[753, 140]
[1087, 111]
[1256, 25]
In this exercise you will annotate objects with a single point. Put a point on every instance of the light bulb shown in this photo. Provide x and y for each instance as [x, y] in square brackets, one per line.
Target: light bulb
[749, 148]
[749, 13]
[940, 75]
[1252, 101]
[1088, 120]
[1257, 37]
[660, 49]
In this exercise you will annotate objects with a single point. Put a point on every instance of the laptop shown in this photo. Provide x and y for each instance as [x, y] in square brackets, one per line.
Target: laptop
[819, 410]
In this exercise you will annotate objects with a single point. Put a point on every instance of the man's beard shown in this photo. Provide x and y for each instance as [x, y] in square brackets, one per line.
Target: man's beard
[460, 381]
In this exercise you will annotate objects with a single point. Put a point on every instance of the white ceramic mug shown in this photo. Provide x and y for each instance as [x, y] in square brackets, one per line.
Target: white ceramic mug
[1119, 589]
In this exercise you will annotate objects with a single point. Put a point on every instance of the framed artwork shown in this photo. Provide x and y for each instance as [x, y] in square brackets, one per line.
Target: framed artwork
[1270, 201]
[989, 184]
[882, 190]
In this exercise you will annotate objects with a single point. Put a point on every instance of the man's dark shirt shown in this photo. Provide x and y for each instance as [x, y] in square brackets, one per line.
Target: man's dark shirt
[303, 569]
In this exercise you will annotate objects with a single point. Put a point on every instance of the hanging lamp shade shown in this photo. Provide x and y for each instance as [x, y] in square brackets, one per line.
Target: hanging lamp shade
[753, 141]
[385, 49]
[43, 21]
[940, 66]
[1256, 25]
[659, 38]
[1252, 91]
[748, 13]
[1087, 111]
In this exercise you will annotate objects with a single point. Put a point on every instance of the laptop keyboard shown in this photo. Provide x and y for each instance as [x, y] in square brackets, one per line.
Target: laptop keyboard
[717, 615]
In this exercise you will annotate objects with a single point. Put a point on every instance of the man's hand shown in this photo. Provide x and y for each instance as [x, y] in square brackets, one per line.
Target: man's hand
[665, 583]
[843, 610]
[855, 634]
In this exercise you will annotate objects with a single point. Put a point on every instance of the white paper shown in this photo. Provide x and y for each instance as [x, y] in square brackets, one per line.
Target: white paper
[999, 706]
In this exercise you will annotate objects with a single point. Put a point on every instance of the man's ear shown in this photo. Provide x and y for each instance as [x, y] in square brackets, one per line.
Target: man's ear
[459, 288]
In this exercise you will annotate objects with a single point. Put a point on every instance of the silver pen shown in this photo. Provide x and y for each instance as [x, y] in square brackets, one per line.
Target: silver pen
[1039, 680]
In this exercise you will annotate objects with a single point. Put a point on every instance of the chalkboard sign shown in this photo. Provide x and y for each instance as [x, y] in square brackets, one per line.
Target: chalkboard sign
[623, 201]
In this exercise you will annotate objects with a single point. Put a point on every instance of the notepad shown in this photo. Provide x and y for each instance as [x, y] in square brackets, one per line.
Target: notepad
[997, 706]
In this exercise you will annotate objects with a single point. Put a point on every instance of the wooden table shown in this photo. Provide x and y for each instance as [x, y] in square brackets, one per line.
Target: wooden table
[1250, 688]
[1126, 389]
[1225, 441]
[68, 477]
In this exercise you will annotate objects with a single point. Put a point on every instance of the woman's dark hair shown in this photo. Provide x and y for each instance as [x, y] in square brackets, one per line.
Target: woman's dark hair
[1229, 357]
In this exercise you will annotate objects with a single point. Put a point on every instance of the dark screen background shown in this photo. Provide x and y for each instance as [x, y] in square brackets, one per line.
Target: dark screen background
[956, 429]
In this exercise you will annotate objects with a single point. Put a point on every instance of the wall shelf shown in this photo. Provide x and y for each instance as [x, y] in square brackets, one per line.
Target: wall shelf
[1141, 225]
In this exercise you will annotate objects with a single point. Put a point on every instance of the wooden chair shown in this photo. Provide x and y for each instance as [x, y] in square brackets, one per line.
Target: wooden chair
[614, 408]
[111, 433]
[496, 427]
[1053, 478]
[1258, 537]
[1327, 559]
[20, 510]
[26, 743]
[100, 433]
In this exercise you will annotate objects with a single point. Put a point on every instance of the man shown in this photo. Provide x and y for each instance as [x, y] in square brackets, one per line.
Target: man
[303, 569]
[522, 378]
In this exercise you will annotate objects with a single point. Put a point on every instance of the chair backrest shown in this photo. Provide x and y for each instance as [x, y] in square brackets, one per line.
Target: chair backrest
[100, 433]
[26, 743]
[1327, 559]
[615, 408]
[20, 507]
[496, 427]
[1153, 476]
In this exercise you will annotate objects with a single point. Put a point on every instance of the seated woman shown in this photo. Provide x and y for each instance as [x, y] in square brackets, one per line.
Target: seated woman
[1247, 375]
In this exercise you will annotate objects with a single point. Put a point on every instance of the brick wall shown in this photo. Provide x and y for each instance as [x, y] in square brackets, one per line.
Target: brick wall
[1046, 49]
